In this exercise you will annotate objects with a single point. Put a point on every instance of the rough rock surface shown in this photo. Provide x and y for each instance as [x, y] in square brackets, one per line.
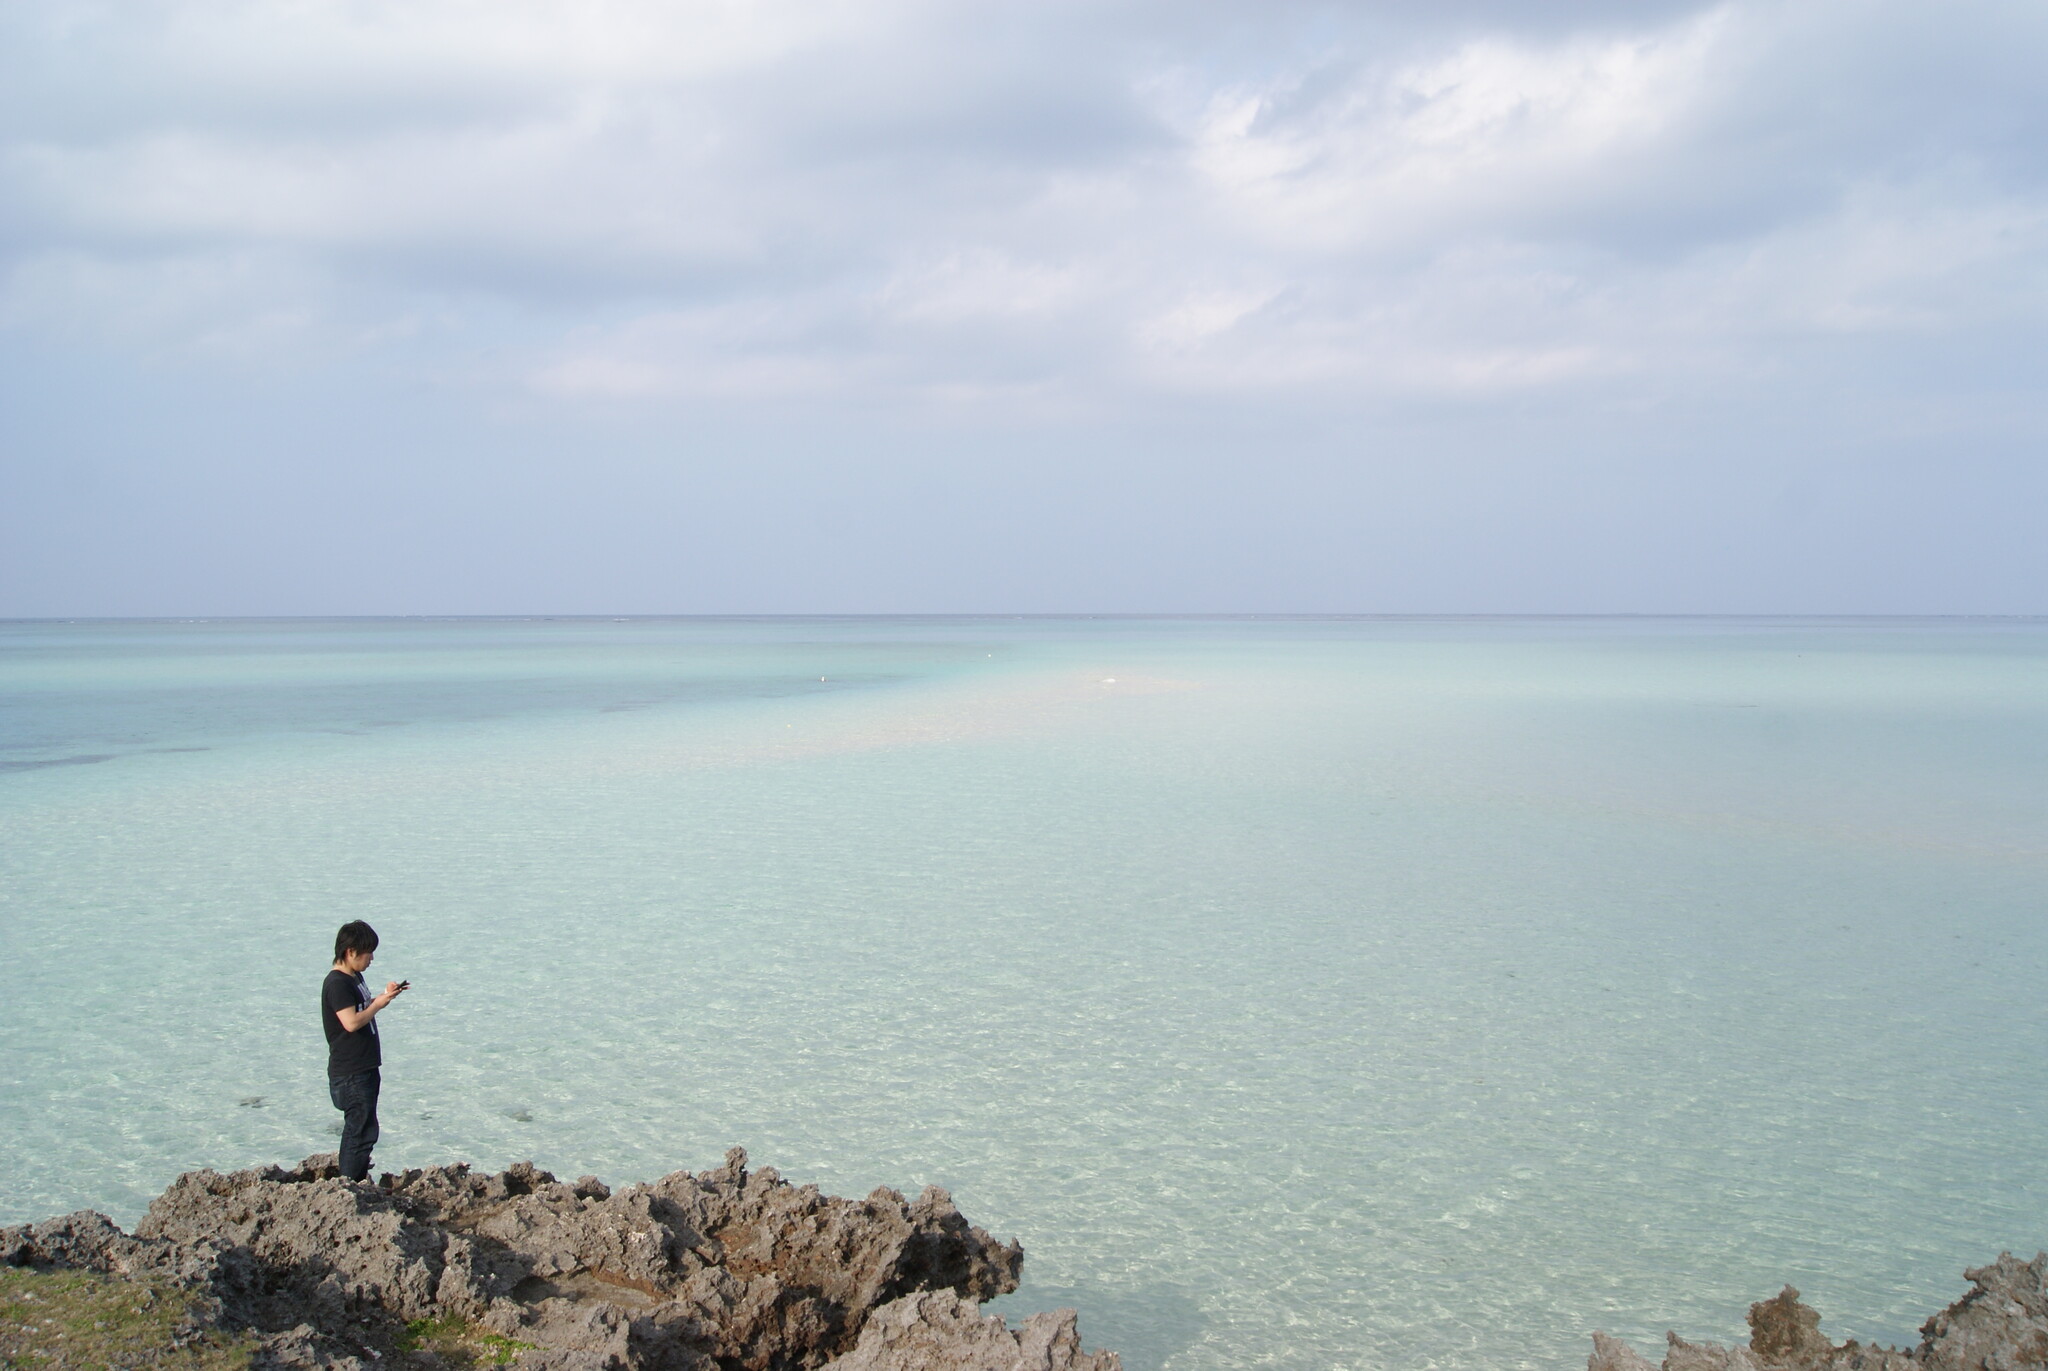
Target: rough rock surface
[939, 1331]
[727, 1270]
[2000, 1325]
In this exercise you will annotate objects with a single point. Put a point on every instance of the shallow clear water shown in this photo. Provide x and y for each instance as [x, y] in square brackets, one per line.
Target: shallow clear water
[1319, 993]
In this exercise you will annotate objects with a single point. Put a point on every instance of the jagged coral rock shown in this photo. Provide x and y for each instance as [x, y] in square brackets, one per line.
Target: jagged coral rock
[1681, 1355]
[85, 1240]
[90, 1241]
[939, 1331]
[304, 1348]
[326, 1246]
[2000, 1325]
[1786, 1333]
[725, 1270]
[1612, 1354]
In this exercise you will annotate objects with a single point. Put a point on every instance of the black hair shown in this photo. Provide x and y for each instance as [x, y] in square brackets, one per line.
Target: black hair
[355, 936]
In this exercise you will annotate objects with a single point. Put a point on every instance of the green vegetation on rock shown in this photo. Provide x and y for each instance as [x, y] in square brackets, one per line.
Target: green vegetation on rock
[62, 1319]
[459, 1341]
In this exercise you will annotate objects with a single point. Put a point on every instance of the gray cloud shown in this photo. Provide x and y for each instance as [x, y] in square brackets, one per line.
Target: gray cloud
[921, 215]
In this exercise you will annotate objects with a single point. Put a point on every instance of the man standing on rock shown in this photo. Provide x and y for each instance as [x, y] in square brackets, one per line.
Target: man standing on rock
[349, 1014]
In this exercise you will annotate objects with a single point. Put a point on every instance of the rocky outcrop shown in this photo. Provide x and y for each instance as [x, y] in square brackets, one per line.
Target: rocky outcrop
[939, 1331]
[2000, 1325]
[727, 1270]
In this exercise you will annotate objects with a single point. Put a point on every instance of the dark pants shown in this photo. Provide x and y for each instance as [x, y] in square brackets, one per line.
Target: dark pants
[356, 1097]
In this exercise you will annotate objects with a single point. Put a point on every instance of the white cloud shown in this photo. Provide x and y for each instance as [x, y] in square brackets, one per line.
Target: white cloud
[1084, 203]
[1448, 142]
[1200, 318]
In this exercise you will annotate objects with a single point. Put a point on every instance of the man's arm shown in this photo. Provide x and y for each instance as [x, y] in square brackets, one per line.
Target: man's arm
[352, 1020]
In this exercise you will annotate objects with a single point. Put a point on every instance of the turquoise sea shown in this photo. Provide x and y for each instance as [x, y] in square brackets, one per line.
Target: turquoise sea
[1303, 993]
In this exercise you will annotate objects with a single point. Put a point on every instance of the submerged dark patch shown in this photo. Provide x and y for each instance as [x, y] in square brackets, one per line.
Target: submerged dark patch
[58, 761]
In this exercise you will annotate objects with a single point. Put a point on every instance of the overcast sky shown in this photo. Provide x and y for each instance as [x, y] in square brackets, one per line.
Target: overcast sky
[497, 306]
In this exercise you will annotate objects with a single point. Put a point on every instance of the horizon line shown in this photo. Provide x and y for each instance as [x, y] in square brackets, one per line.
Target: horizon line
[954, 615]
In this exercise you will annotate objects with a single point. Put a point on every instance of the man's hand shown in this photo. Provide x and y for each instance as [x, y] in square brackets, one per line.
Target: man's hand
[352, 1020]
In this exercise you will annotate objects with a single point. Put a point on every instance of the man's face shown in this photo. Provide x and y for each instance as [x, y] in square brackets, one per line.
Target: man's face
[357, 963]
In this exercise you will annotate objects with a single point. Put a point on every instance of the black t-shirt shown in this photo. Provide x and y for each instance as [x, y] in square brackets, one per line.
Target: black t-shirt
[347, 1053]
